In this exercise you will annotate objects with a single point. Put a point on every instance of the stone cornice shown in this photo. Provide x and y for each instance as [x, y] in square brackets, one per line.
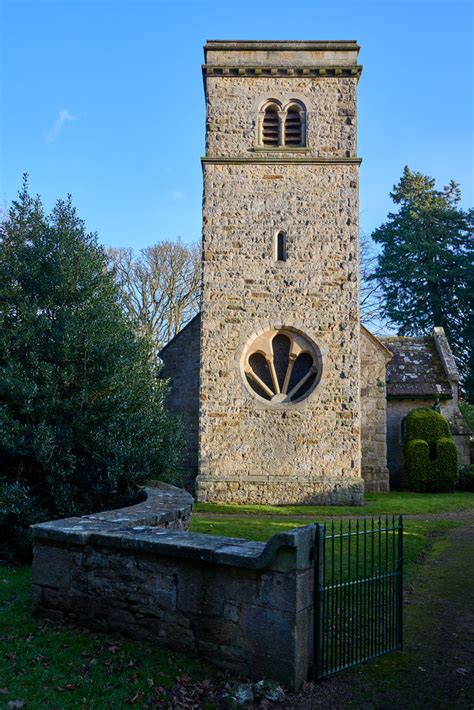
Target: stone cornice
[255, 70]
[281, 160]
[336, 45]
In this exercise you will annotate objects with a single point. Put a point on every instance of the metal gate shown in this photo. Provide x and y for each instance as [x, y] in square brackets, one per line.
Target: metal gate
[358, 609]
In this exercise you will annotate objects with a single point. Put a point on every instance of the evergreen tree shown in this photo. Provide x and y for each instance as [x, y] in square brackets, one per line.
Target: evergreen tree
[426, 268]
[82, 421]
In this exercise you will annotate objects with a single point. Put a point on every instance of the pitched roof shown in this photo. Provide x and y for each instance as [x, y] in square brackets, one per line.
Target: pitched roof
[377, 340]
[183, 332]
[416, 369]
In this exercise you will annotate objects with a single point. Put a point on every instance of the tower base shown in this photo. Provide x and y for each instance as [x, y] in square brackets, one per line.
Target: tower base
[284, 491]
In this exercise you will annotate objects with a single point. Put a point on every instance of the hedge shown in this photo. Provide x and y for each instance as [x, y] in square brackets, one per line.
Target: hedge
[417, 465]
[430, 454]
[426, 424]
[445, 472]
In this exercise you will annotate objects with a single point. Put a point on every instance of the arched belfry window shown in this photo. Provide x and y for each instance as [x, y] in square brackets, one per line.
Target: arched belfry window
[293, 126]
[281, 247]
[282, 126]
[271, 126]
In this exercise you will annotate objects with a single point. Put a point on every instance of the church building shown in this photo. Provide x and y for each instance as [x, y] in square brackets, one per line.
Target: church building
[285, 396]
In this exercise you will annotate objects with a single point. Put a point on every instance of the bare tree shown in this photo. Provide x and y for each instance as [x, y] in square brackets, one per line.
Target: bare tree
[371, 294]
[160, 287]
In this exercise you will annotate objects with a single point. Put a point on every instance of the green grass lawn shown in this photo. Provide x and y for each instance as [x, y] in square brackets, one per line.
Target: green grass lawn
[418, 534]
[375, 504]
[72, 669]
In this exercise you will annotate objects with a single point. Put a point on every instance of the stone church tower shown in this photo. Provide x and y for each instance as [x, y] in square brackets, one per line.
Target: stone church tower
[279, 417]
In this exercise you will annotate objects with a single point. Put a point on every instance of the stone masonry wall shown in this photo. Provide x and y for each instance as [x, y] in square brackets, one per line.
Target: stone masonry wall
[374, 414]
[249, 451]
[244, 606]
[233, 104]
[303, 453]
[181, 367]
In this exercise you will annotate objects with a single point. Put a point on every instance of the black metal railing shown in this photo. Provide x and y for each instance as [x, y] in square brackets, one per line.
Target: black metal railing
[358, 610]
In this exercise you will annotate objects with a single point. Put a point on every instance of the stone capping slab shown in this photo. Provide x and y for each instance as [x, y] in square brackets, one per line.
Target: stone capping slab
[138, 529]
[333, 45]
[163, 504]
[445, 354]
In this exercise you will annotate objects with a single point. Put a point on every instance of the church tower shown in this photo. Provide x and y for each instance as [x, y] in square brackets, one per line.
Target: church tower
[279, 417]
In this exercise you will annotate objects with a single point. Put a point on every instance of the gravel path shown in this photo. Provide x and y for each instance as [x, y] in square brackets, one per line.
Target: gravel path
[467, 515]
[436, 668]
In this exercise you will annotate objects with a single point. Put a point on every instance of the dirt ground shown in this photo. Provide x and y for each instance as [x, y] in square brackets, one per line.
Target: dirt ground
[436, 668]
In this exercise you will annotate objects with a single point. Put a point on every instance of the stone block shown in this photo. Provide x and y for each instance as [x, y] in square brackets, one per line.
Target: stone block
[231, 611]
[52, 566]
[266, 629]
[36, 598]
[289, 592]
[218, 630]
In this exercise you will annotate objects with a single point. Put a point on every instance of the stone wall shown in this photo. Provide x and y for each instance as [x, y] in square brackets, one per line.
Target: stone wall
[250, 451]
[373, 362]
[244, 606]
[181, 367]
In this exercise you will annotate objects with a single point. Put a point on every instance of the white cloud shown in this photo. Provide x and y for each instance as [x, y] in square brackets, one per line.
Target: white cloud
[63, 116]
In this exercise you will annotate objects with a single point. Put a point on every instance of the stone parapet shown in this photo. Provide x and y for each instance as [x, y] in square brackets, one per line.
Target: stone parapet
[244, 606]
[164, 506]
[281, 54]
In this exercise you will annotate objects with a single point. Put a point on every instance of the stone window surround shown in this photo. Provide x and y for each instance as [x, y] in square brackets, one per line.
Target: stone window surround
[282, 111]
[319, 352]
[280, 234]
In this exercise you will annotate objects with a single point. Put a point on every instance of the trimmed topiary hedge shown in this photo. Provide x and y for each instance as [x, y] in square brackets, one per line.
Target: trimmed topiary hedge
[426, 424]
[430, 454]
[445, 472]
[417, 465]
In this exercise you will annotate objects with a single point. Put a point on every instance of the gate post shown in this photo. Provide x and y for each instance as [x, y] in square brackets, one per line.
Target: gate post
[318, 609]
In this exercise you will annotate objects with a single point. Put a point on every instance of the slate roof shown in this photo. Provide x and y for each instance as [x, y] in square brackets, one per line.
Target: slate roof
[416, 369]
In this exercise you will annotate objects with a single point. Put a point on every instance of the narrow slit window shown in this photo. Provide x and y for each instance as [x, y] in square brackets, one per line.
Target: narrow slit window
[293, 127]
[271, 127]
[280, 247]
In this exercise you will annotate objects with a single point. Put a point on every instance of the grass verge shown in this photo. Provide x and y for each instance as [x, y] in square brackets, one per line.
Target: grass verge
[375, 504]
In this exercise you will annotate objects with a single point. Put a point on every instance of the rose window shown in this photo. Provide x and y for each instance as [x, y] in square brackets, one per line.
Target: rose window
[282, 366]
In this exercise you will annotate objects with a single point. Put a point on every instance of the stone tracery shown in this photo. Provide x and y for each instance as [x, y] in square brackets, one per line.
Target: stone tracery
[282, 366]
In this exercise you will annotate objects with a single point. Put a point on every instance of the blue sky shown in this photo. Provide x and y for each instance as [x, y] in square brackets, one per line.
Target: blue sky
[104, 100]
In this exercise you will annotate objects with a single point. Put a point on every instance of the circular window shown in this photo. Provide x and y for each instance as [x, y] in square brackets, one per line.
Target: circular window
[282, 366]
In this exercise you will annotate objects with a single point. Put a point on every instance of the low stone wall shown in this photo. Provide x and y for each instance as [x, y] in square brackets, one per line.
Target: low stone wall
[244, 606]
